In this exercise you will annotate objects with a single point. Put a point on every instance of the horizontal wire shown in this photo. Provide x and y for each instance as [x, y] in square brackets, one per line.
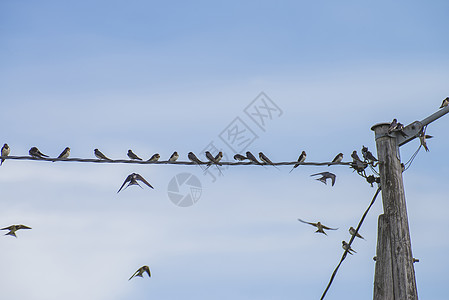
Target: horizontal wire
[166, 162]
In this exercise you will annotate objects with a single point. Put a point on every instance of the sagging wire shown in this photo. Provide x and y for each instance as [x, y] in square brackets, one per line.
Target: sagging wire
[350, 242]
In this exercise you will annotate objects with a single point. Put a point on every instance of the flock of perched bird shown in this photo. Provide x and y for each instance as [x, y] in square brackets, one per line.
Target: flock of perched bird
[132, 179]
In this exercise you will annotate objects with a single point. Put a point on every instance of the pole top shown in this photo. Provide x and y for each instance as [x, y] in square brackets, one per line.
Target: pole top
[378, 125]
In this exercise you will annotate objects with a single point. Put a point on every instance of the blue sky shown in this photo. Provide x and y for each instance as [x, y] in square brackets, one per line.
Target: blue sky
[160, 77]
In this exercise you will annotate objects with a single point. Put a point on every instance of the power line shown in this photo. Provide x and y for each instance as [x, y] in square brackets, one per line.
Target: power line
[166, 162]
[350, 242]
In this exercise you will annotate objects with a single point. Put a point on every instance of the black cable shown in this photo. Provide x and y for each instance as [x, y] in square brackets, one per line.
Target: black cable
[350, 242]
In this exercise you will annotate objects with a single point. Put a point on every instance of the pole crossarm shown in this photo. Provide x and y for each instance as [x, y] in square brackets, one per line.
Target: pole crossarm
[166, 162]
[413, 130]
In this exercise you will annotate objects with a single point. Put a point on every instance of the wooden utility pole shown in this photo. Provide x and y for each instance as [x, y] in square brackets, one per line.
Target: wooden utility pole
[394, 277]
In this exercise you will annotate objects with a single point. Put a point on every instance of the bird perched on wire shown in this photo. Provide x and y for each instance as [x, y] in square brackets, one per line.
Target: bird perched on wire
[338, 158]
[155, 157]
[423, 139]
[445, 102]
[346, 247]
[65, 153]
[214, 160]
[5, 152]
[252, 158]
[301, 159]
[132, 155]
[240, 157]
[132, 179]
[357, 163]
[13, 228]
[367, 155]
[320, 227]
[325, 176]
[100, 155]
[266, 160]
[352, 232]
[174, 156]
[140, 272]
[34, 152]
[192, 157]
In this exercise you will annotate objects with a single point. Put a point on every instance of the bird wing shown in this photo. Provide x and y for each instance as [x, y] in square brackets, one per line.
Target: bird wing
[310, 223]
[126, 180]
[322, 173]
[147, 269]
[328, 228]
[139, 177]
[8, 228]
[23, 227]
[133, 275]
[332, 176]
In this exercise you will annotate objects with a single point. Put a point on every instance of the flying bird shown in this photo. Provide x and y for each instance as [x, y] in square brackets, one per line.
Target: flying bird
[325, 176]
[5, 152]
[423, 139]
[132, 155]
[65, 153]
[100, 155]
[337, 158]
[240, 157]
[174, 156]
[155, 157]
[132, 179]
[13, 228]
[320, 227]
[140, 272]
[347, 247]
[301, 159]
[352, 232]
[445, 102]
[367, 155]
[252, 158]
[34, 152]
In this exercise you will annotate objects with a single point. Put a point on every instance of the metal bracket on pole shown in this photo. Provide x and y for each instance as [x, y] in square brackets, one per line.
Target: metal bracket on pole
[412, 130]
